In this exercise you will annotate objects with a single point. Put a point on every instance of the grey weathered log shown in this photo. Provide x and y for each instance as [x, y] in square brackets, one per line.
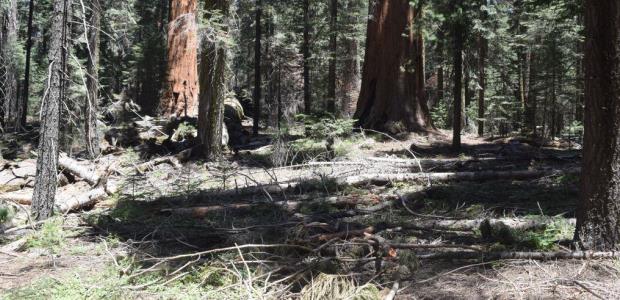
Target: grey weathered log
[491, 256]
[451, 176]
[81, 200]
[470, 225]
[88, 174]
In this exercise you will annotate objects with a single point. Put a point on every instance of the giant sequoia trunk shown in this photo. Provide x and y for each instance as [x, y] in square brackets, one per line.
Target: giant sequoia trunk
[212, 87]
[8, 65]
[181, 96]
[47, 162]
[598, 215]
[92, 82]
[392, 95]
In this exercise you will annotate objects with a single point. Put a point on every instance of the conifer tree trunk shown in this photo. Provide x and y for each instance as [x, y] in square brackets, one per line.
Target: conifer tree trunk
[350, 73]
[92, 82]
[8, 65]
[531, 106]
[213, 86]
[457, 54]
[598, 214]
[306, 57]
[29, 43]
[391, 97]
[47, 162]
[258, 84]
[333, 49]
[181, 96]
[482, 56]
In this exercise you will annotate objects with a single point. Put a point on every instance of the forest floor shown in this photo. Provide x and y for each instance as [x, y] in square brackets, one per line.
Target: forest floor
[293, 220]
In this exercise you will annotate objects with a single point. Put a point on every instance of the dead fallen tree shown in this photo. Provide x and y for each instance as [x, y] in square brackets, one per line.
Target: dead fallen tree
[506, 255]
[451, 176]
[89, 174]
[149, 165]
[66, 204]
[471, 225]
[290, 206]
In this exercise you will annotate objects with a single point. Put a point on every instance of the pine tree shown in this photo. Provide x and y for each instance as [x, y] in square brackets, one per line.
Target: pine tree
[598, 215]
[47, 162]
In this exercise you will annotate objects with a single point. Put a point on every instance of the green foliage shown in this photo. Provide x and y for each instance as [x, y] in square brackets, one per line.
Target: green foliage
[319, 127]
[6, 213]
[50, 237]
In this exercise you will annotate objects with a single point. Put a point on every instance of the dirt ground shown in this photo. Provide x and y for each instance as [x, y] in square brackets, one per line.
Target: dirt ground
[144, 222]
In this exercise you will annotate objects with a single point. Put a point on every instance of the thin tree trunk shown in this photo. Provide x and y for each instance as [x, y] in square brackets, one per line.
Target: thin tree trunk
[306, 57]
[8, 66]
[258, 85]
[531, 105]
[181, 96]
[350, 73]
[482, 56]
[29, 43]
[213, 87]
[441, 36]
[47, 162]
[333, 49]
[598, 214]
[92, 82]
[458, 85]
[387, 91]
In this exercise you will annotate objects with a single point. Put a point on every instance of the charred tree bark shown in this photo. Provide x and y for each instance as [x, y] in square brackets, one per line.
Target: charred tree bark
[258, 85]
[181, 96]
[483, 48]
[333, 49]
[392, 97]
[306, 56]
[598, 214]
[92, 82]
[213, 87]
[47, 162]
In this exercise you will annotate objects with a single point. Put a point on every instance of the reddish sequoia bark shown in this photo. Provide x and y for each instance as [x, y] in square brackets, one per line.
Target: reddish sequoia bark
[181, 96]
[392, 95]
[598, 215]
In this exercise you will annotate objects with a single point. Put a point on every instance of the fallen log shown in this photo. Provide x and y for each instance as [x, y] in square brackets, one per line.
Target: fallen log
[203, 211]
[81, 200]
[505, 255]
[471, 225]
[149, 165]
[450, 176]
[23, 197]
[79, 170]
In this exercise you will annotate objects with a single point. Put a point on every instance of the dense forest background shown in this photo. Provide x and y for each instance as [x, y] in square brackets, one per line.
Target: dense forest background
[311, 149]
